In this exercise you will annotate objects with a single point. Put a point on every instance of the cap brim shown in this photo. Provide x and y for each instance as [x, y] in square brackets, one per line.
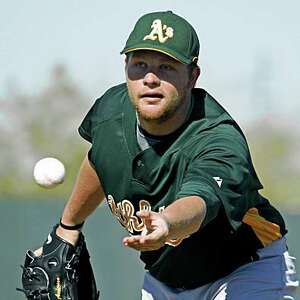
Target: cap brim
[181, 60]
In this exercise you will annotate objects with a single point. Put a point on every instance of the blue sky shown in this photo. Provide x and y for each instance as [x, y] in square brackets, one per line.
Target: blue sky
[246, 46]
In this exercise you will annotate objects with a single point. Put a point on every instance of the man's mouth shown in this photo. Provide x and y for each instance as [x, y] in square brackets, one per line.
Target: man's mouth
[152, 96]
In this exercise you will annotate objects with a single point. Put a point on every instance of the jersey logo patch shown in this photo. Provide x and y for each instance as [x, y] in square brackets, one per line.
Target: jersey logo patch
[218, 180]
[160, 32]
[125, 213]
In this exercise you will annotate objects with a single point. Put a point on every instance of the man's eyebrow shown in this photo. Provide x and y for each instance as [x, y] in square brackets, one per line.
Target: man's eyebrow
[159, 60]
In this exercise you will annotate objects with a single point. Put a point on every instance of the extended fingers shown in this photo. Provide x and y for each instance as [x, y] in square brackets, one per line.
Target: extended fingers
[144, 243]
[130, 240]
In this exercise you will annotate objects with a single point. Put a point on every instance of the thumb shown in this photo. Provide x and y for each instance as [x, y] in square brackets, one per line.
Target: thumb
[145, 215]
[38, 252]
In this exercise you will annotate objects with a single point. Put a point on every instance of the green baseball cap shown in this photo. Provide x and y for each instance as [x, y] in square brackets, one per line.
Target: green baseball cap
[167, 33]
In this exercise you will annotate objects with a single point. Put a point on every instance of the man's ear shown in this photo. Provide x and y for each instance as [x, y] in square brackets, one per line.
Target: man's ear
[127, 58]
[126, 62]
[196, 71]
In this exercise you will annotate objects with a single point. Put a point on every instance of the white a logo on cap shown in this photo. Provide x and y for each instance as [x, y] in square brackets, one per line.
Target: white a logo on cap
[160, 32]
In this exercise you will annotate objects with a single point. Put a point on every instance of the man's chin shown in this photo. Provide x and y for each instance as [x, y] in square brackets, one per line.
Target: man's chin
[151, 116]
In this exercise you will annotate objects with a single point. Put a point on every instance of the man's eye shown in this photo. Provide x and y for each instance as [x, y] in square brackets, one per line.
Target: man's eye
[141, 65]
[166, 67]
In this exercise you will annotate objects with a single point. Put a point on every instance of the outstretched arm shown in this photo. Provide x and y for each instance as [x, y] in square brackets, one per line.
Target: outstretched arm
[180, 219]
[87, 194]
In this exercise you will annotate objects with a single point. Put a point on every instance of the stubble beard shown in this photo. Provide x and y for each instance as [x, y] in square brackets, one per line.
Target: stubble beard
[167, 112]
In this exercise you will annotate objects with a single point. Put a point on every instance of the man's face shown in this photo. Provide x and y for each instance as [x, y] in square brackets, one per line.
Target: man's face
[158, 85]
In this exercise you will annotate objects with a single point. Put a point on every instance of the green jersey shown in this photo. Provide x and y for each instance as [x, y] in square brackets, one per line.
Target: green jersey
[208, 157]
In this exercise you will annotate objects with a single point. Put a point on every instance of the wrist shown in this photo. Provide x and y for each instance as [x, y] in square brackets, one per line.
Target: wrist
[168, 226]
[71, 226]
[70, 236]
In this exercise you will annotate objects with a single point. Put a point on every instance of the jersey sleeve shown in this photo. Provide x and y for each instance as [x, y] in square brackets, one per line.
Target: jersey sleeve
[103, 109]
[222, 174]
[89, 122]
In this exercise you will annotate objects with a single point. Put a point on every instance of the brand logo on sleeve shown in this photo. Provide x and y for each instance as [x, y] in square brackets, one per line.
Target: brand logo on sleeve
[160, 32]
[218, 180]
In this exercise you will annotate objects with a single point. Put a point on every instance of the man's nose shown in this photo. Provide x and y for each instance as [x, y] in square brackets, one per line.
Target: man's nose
[151, 79]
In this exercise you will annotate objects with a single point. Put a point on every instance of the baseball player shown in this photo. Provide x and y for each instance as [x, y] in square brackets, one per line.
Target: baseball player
[176, 172]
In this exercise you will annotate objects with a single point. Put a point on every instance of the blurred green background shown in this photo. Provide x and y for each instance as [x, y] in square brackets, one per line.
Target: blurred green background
[57, 57]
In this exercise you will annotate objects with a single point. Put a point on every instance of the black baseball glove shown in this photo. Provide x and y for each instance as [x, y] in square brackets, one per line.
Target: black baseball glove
[62, 272]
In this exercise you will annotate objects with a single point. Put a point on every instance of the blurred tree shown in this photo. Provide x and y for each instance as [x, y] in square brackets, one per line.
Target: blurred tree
[275, 148]
[35, 126]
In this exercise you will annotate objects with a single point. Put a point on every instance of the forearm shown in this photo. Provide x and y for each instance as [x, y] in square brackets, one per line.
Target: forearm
[184, 216]
[87, 194]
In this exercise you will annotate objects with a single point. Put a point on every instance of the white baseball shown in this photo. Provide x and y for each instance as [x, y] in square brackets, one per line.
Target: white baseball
[49, 172]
